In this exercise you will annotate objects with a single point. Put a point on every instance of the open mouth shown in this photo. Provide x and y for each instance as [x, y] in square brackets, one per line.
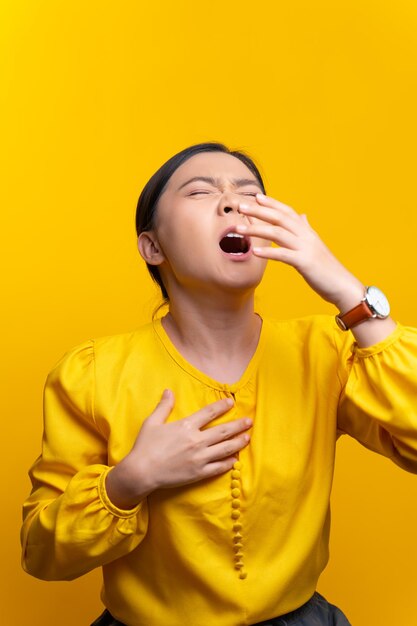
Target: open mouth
[232, 243]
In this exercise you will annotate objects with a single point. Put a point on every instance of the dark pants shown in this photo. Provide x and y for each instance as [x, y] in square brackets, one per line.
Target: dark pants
[315, 612]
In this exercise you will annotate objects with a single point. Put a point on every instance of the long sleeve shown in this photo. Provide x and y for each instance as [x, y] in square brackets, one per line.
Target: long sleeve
[378, 405]
[70, 526]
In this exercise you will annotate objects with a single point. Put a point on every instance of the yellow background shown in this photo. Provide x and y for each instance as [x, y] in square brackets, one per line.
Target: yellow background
[94, 97]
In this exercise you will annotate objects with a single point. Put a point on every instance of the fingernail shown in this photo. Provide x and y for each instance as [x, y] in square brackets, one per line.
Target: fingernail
[241, 228]
[243, 206]
[248, 422]
[260, 195]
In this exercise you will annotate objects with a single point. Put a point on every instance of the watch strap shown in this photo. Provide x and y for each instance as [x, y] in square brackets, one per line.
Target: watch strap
[358, 314]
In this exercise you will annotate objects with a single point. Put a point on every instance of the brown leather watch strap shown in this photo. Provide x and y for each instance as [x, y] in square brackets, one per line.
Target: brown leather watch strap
[355, 316]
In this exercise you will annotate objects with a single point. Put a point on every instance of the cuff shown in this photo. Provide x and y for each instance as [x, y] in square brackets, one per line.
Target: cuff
[380, 346]
[108, 504]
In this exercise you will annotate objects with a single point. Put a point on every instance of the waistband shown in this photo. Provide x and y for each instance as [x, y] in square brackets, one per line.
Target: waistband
[292, 616]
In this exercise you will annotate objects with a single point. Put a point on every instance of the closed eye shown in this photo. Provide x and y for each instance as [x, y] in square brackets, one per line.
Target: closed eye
[206, 192]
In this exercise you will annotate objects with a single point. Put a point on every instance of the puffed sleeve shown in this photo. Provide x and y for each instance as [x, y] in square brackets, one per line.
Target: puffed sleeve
[69, 524]
[378, 404]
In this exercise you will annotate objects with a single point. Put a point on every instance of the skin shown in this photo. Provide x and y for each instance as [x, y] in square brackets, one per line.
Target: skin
[212, 307]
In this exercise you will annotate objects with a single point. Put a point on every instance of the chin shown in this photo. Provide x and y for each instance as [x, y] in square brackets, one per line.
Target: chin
[242, 283]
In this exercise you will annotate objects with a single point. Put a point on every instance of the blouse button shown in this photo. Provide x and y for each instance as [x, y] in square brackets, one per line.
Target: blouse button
[236, 513]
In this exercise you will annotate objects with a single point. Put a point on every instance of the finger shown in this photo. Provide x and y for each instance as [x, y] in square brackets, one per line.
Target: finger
[276, 204]
[218, 467]
[276, 234]
[209, 413]
[221, 432]
[227, 448]
[271, 216]
[163, 408]
[284, 255]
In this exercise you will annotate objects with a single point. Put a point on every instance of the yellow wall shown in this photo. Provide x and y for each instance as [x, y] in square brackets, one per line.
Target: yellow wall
[95, 95]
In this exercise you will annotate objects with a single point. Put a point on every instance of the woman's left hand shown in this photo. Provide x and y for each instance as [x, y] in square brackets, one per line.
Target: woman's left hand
[301, 247]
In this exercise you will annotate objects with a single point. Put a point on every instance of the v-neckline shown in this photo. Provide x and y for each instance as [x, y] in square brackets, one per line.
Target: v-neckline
[201, 376]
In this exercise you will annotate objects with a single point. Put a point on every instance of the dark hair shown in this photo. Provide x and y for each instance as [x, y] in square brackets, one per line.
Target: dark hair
[148, 200]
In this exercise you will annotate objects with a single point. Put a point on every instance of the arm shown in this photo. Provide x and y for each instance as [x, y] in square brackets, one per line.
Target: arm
[81, 513]
[378, 405]
[70, 525]
[301, 247]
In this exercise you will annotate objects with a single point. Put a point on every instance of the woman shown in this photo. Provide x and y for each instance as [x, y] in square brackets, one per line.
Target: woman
[193, 459]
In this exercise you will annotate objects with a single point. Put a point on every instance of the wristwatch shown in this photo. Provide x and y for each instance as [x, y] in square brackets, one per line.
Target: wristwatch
[373, 304]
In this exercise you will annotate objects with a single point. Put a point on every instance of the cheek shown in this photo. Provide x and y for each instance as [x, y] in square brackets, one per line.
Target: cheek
[170, 234]
[185, 235]
[180, 247]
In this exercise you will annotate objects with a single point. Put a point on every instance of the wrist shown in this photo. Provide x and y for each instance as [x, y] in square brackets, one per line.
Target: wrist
[372, 306]
[351, 295]
[127, 485]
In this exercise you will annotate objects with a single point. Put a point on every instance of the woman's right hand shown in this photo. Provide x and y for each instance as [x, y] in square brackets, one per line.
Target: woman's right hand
[176, 453]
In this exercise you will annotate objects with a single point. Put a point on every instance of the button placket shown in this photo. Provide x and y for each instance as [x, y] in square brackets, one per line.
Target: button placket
[237, 527]
[236, 512]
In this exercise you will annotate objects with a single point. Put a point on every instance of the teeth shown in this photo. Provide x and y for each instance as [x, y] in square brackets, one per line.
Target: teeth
[236, 245]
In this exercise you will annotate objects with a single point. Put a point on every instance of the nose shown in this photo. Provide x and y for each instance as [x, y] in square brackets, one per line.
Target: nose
[228, 204]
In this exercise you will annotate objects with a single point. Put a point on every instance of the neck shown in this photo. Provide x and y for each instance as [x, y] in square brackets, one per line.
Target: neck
[217, 335]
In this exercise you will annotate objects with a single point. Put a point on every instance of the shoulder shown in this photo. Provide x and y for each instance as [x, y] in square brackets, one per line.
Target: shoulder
[125, 342]
[303, 326]
[317, 333]
[108, 349]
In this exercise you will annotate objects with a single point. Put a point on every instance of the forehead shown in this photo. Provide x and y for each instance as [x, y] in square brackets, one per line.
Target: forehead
[215, 164]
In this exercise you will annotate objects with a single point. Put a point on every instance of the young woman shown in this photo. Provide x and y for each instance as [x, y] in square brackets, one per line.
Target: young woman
[193, 458]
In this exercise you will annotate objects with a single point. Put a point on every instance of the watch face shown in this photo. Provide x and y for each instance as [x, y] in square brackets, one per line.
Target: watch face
[378, 302]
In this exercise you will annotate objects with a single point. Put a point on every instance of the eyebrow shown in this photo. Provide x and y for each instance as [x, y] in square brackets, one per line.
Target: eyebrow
[237, 182]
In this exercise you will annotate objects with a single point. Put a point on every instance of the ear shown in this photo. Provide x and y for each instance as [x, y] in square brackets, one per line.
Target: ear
[149, 248]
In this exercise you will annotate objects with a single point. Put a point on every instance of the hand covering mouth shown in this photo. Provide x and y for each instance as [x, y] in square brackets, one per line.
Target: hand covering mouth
[233, 243]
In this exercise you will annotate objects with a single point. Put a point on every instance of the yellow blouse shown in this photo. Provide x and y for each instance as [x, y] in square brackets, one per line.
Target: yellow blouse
[231, 550]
